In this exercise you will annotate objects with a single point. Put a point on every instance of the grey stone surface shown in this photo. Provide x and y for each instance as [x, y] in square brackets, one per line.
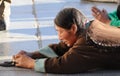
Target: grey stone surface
[30, 23]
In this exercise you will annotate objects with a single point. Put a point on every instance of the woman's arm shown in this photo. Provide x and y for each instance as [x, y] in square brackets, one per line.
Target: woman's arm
[34, 55]
[78, 58]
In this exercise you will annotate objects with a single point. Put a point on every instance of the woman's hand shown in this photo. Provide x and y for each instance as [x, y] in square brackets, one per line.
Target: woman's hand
[33, 55]
[25, 53]
[22, 60]
[100, 15]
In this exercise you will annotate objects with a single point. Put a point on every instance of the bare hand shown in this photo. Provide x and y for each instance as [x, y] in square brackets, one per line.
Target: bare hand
[24, 61]
[25, 53]
[100, 15]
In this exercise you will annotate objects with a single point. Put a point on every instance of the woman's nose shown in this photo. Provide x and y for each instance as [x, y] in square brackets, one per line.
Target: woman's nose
[60, 37]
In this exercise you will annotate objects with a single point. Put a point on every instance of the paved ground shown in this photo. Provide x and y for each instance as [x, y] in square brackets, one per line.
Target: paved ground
[32, 27]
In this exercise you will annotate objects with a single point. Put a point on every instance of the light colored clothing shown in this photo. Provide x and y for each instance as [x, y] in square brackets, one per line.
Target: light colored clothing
[40, 63]
[5, 12]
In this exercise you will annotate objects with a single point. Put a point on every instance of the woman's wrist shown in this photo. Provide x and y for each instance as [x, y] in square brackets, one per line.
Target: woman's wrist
[32, 64]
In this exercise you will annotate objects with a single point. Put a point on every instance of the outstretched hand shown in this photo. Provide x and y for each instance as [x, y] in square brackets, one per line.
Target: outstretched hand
[23, 60]
[100, 15]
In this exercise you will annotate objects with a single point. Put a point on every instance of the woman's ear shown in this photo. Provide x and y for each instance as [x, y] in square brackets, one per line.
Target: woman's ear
[74, 28]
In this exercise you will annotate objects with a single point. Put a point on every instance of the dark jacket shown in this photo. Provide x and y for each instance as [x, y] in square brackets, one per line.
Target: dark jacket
[82, 58]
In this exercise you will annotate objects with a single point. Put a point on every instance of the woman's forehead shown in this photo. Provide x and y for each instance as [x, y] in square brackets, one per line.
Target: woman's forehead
[60, 28]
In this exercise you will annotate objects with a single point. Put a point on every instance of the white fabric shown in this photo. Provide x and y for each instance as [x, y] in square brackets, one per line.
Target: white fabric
[1, 1]
[6, 14]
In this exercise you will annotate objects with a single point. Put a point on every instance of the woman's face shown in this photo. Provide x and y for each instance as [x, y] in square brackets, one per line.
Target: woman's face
[66, 36]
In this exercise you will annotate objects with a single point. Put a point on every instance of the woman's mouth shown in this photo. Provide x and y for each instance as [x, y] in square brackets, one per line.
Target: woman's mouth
[66, 43]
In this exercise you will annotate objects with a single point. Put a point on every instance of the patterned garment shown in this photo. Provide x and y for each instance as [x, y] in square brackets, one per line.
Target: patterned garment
[104, 35]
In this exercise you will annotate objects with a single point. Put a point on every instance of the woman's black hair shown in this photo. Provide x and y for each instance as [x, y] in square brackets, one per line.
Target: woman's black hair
[69, 16]
[118, 11]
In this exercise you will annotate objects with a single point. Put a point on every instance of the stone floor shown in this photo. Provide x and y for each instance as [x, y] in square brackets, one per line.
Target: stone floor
[32, 27]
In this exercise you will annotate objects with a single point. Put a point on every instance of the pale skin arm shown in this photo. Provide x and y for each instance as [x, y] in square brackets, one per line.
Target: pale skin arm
[100, 15]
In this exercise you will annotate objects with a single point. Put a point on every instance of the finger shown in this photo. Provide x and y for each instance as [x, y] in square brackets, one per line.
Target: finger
[96, 10]
[22, 52]
[13, 57]
[104, 11]
[17, 56]
[17, 64]
[17, 61]
[94, 15]
[93, 10]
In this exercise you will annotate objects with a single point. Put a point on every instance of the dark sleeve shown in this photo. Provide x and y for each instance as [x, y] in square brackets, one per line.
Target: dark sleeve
[77, 59]
[59, 48]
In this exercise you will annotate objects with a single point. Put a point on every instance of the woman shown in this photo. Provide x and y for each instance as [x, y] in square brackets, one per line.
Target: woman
[74, 54]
